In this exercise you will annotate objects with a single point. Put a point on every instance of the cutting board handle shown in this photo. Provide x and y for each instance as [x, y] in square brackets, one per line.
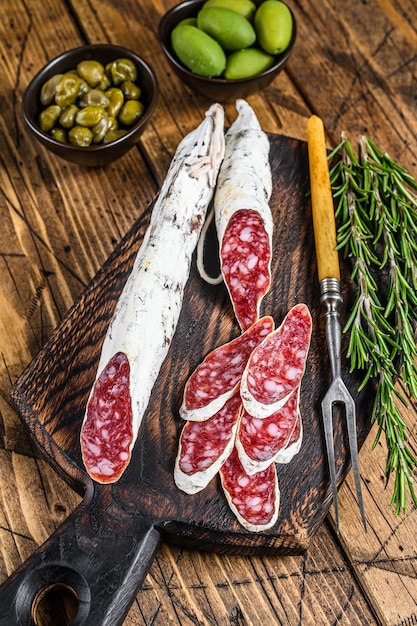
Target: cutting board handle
[87, 573]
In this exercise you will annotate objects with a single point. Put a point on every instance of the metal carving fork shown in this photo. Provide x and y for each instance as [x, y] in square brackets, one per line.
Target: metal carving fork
[329, 278]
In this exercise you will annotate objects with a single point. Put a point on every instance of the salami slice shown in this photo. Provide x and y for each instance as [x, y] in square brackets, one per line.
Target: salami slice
[216, 378]
[253, 499]
[147, 312]
[243, 216]
[294, 444]
[260, 441]
[276, 366]
[204, 446]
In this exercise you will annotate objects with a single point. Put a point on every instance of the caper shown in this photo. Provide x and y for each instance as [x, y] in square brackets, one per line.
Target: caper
[131, 112]
[67, 90]
[116, 100]
[92, 72]
[105, 83]
[59, 134]
[121, 70]
[80, 136]
[112, 135]
[100, 129]
[90, 116]
[95, 97]
[113, 123]
[67, 117]
[48, 89]
[49, 117]
[131, 91]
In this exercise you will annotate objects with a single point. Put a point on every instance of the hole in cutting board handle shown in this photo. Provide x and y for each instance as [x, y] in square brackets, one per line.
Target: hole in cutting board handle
[53, 595]
[55, 605]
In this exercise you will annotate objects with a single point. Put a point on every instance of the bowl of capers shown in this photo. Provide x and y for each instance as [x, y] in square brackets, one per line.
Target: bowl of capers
[91, 104]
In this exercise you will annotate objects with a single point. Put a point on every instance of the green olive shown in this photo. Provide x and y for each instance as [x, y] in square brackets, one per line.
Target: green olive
[116, 100]
[68, 89]
[67, 117]
[130, 90]
[90, 115]
[92, 71]
[94, 97]
[48, 89]
[131, 112]
[80, 136]
[49, 117]
[121, 70]
[229, 28]
[274, 26]
[112, 135]
[59, 134]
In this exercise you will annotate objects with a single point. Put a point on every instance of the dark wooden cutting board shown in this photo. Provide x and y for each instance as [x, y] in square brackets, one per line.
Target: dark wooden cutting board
[120, 525]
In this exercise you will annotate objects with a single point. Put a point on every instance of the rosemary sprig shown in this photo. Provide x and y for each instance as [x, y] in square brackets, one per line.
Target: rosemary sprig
[376, 212]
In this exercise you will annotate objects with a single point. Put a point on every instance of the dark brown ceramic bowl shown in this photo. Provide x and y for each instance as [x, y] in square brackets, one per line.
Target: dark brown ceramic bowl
[96, 155]
[216, 89]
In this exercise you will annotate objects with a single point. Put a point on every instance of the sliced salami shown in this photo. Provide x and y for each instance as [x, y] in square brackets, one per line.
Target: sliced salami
[276, 366]
[147, 312]
[253, 499]
[260, 441]
[216, 378]
[294, 444]
[243, 217]
[204, 446]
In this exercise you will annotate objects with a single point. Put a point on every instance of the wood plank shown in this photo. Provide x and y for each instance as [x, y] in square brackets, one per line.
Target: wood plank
[379, 59]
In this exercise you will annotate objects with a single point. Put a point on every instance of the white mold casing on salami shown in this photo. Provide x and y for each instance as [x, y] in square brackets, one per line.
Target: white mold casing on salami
[217, 377]
[276, 366]
[245, 185]
[148, 309]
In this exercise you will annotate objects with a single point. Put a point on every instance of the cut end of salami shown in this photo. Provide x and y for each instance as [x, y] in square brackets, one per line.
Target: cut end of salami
[106, 433]
[277, 365]
[253, 499]
[245, 261]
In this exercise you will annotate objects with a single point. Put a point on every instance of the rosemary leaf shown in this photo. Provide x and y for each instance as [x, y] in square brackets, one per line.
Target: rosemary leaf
[376, 213]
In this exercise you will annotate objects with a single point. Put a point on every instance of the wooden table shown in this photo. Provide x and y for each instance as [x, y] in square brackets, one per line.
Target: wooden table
[355, 65]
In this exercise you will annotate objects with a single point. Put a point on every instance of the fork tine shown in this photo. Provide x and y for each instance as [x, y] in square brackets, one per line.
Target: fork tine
[353, 445]
[327, 414]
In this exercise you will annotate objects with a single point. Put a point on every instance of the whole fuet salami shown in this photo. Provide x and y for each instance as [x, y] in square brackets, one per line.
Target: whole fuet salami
[243, 216]
[147, 311]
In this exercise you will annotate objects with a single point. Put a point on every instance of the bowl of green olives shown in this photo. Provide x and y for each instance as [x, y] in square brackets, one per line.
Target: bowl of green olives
[91, 104]
[228, 49]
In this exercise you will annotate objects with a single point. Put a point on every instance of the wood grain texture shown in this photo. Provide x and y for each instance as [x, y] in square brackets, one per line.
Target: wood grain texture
[60, 223]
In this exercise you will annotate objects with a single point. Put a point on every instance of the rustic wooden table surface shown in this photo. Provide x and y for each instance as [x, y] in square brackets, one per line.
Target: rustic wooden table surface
[355, 65]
